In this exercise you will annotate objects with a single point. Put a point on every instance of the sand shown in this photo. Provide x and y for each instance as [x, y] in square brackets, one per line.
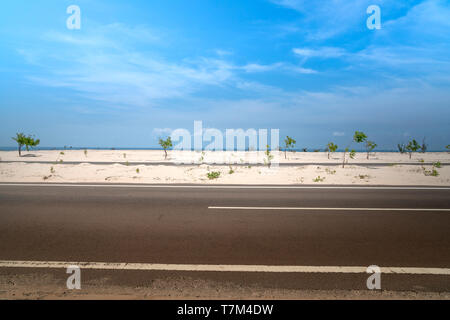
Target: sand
[215, 157]
[400, 170]
[46, 285]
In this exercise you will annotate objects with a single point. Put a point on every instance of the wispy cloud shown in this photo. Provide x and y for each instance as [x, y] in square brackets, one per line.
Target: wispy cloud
[324, 52]
[255, 67]
[321, 20]
[108, 66]
[162, 131]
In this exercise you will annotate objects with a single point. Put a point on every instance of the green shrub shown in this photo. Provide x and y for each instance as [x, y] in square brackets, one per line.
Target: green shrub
[412, 146]
[432, 173]
[165, 144]
[370, 145]
[289, 143]
[437, 164]
[27, 141]
[213, 175]
[352, 155]
[319, 179]
[269, 156]
[331, 147]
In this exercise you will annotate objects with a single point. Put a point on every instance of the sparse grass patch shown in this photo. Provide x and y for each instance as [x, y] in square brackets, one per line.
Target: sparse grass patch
[319, 179]
[231, 170]
[202, 157]
[300, 180]
[137, 170]
[431, 173]
[213, 175]
[329, 171]
[363, 176]
[52, 170]
[61, 153]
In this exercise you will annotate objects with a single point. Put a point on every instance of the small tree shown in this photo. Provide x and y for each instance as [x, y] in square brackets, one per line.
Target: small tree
[289, 143]
[27, 141]
[351, 156]
[20, 139]
[401, 148]
[359, 137]
[165, 144]
[448, 148]
[331, 147]
[269, 156]
[424, 146]
[370, 145]
[412, 146]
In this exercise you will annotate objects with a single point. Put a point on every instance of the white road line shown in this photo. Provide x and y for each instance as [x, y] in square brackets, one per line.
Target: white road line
[206, 186]
[219, 268]
[328, 209]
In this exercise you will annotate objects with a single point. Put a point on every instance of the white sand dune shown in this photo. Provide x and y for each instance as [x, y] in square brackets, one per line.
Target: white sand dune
[310, 173]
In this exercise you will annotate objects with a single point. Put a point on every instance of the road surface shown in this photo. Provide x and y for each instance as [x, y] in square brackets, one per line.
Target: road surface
[278, 238]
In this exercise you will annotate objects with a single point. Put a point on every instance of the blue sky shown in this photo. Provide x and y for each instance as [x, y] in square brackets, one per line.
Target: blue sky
[137, 69]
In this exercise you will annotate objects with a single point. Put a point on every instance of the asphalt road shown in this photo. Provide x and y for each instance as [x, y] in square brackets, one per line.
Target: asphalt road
[226, 226]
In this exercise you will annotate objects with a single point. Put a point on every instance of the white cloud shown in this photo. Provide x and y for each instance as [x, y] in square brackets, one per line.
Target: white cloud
[303, 70]
[222, 53]
[255, 67]
[338, 134]
[321, 20]
[107, 66]
[162, 131]
[324, 52]
[298, 5]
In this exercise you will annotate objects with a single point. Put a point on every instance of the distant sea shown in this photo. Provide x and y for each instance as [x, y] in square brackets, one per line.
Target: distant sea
[113, 148]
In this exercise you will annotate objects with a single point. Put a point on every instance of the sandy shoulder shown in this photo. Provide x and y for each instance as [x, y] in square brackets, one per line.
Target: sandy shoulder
[252, 175]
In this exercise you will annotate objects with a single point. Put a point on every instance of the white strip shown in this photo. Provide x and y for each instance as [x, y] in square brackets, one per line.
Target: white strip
[218, 268]
[328, 209]
[206, 186]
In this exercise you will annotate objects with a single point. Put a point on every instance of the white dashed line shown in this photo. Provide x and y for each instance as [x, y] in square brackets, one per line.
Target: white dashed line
[330, 209]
